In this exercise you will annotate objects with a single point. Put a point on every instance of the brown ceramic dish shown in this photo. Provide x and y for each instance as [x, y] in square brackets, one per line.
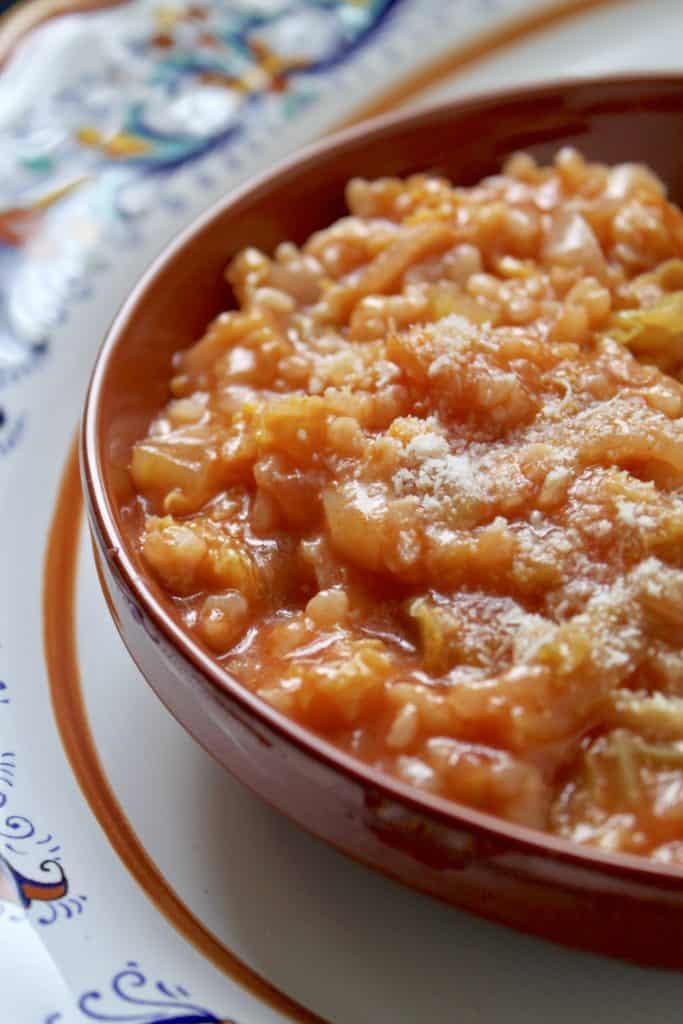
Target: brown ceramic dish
[623, 906]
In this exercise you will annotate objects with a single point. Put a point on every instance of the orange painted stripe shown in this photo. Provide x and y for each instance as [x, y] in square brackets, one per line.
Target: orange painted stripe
[43, 894]
[61, 658]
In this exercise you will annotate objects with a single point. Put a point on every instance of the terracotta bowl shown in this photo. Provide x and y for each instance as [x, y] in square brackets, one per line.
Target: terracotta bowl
[623, 906]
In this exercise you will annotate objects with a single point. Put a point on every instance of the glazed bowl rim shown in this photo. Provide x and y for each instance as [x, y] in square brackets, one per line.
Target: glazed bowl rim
[447, 812]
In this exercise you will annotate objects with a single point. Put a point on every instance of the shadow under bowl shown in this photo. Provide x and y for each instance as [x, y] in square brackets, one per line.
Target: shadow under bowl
[614, 904]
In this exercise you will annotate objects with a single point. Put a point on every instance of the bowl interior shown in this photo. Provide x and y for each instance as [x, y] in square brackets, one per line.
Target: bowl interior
[630, 119]
[637, 119]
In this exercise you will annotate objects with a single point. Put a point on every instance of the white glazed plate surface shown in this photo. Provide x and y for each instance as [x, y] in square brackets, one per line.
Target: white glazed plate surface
[138, 882]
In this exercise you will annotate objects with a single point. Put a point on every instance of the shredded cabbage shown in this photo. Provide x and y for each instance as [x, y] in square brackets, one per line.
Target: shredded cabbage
[655, 333]
[438, 635]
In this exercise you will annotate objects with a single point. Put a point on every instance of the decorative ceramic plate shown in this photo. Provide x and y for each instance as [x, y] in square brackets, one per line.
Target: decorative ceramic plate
[138, 882]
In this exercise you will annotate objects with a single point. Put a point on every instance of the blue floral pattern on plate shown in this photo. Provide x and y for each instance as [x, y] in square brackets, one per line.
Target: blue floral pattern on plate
[134, 999]
[86, 164]
[40, 879]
